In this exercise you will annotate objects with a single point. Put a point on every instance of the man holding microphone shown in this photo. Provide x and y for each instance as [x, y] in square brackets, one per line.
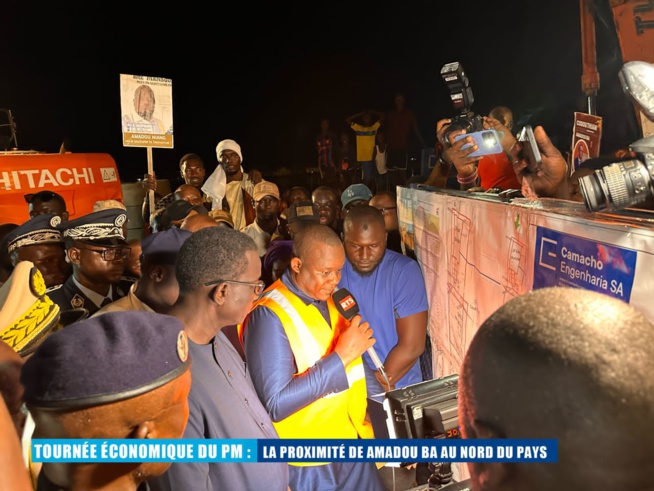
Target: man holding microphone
[305, 361]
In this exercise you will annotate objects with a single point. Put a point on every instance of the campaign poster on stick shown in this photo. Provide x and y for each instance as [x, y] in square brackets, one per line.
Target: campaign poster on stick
[586, 138]
[146, 111]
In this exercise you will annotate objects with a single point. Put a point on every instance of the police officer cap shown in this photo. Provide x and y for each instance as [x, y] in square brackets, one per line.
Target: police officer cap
[103, 227]
[162, 247]
[108, 358]
[42, 229]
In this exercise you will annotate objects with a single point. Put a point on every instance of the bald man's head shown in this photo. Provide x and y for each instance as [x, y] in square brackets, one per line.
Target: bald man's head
[568, 364]
[193, 223]
[313, 236]
[189, 193]
[364, 216]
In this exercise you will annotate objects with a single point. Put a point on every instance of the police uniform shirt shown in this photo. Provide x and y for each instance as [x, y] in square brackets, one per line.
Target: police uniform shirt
[72, 295]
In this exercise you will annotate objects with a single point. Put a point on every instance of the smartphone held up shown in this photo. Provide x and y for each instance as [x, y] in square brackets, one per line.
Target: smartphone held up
[530, 150]
[488, 142]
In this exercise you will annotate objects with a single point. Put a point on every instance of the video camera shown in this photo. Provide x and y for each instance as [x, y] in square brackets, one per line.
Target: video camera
[427, 409]
[623, 184]
[462, 99]
[424, 410]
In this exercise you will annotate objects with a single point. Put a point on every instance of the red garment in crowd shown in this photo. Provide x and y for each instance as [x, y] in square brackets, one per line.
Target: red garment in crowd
[397, 127]
[495, 171]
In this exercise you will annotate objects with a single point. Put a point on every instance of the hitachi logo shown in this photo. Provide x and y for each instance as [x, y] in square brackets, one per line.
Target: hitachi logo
[39, 178]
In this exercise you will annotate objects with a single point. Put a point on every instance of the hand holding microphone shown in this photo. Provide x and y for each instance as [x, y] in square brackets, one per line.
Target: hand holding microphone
[349, 308]
[354, 340]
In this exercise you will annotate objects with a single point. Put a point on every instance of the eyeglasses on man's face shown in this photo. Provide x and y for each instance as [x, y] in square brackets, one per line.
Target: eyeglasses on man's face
[258, 286]
[112, 253]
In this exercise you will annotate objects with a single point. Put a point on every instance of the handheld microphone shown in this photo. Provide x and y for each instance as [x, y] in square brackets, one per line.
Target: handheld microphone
[348, 307]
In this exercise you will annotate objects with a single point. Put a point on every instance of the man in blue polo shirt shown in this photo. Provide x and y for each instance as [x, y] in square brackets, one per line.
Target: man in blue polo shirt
[390, 290]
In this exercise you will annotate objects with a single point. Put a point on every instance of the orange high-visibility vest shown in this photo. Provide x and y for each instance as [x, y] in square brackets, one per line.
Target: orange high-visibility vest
[336, 415]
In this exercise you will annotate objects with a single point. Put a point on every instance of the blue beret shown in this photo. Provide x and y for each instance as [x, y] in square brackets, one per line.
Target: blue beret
[103, 359]
[38, 230]
[104, 226]
[165, 244]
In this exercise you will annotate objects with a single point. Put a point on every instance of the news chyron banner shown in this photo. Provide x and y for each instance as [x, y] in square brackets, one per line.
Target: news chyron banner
[295, 451]
[586, 138]
[146, 111]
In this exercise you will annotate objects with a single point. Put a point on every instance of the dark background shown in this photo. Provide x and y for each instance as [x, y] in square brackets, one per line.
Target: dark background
[264, 74]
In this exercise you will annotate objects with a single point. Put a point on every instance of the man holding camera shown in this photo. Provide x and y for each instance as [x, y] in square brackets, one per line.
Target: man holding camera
[548, 181]
[473, 172]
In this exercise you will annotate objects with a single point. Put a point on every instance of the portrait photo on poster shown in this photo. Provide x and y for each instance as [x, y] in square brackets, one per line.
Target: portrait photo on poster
[146, 104]
[580, 153]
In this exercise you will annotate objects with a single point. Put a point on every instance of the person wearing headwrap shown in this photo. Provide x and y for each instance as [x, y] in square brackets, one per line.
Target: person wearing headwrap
[229, 187]
[276, 260]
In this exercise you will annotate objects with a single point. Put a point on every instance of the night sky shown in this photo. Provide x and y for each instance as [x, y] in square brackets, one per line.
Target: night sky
[266, 75]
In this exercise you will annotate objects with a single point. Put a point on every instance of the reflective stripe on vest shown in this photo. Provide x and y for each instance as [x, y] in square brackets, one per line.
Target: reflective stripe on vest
[311, 350]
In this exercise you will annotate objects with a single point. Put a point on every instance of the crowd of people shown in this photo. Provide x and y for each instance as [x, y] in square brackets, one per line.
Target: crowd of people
[204, 267]
[220, 323]
[379, 155]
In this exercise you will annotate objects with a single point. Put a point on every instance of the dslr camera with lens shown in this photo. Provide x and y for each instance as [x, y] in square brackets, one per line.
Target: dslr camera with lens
[624, 184]
[621, 184]
[461, 94]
